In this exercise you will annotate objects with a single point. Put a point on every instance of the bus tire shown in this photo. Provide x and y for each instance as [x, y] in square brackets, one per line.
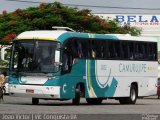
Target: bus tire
[94, 101]
[132, 98]
[35, 101]
[76, 100]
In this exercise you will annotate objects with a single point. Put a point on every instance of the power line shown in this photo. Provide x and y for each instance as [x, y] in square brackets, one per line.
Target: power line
[23, 1]
[112, 7]
[90, 6]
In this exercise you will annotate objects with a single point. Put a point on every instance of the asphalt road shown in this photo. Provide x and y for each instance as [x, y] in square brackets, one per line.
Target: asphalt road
[148, 108]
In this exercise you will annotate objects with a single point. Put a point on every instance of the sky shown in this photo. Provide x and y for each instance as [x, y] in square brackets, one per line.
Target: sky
[148, 4]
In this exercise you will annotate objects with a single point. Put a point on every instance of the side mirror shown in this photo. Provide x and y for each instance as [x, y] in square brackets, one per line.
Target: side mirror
[57, 56]
[3, 53]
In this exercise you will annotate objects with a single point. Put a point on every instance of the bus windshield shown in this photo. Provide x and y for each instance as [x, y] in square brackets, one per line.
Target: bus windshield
[35, 56]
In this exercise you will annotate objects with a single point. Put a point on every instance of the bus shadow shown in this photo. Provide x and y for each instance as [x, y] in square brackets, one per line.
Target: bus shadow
[70, 104]
[28, 102]
[150, 98]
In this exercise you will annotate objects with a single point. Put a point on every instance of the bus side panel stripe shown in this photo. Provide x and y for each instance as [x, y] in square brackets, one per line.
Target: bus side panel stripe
[88, 80]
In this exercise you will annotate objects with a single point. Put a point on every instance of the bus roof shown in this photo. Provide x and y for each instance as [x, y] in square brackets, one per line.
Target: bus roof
[61, 35]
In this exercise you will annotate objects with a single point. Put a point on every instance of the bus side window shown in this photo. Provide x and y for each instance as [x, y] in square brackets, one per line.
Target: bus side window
[102, 49]
[114, 49]
[83, 48]
[141, 51]
[67, 60]
[74, 49]
[131, 50]
[80, 53]
[99, 49]
[155, 51]
[124, 50]
[105, 49]
[136, 51]
[110, 49]
[152, 51]
[143, 48]
[93, 51]
[69, 53]
[117, 49]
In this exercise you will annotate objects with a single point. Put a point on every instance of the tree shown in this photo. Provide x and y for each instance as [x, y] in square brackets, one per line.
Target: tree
[47, 15]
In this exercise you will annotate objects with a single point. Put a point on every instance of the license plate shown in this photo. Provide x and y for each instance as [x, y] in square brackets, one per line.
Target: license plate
[29, 91]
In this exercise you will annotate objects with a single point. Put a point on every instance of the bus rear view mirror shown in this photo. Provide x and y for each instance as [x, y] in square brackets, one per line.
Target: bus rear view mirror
[4, 53]
[57, 56]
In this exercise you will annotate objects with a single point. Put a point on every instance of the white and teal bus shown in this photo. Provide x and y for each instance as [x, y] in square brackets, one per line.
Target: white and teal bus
[63, 65]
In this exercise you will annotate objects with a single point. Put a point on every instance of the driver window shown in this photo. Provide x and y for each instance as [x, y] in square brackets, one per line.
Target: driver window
[67, 58]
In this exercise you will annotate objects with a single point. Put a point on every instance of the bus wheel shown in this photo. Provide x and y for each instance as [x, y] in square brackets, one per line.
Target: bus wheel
[76, 100]
[94, 101]
[132, 98]
[35, 101]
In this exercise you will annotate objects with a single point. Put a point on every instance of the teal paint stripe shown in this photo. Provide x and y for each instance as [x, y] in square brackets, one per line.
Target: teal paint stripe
[112, 88]
[105, 36]
[12, 80]
[109, 89]
[68, 35]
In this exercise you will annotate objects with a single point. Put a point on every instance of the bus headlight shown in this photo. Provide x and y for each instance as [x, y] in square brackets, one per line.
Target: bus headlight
[12, 86]
[49, 88]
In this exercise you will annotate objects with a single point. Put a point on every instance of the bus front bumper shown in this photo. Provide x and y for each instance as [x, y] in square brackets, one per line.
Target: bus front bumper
[34, 91]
